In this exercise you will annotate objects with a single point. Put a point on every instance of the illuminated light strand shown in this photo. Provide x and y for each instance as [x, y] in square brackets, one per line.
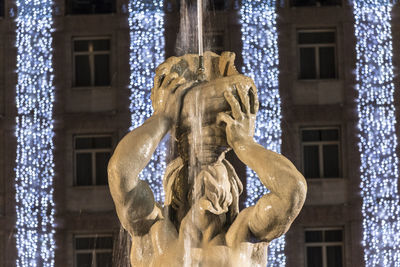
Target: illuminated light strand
[34, 132]
[377, 136]
[146, 23]
[261, 62]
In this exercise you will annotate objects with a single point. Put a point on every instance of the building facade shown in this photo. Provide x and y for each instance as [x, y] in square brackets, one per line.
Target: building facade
[91, 64]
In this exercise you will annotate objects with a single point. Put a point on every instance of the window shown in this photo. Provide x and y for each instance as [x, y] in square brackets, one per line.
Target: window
[321, 152]
[92, 154]
[317, 54]
[215, 42]
[77, 7]
[300, 3]
[93, 251]
[91, 62]
[324, 247]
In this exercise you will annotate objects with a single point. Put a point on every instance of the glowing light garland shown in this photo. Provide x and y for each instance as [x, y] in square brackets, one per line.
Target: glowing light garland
[378, 141]
[146, 23]
[261, 61]
[34, 132]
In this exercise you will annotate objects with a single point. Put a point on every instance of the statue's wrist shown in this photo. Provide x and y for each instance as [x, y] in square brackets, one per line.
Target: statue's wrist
[242, 142]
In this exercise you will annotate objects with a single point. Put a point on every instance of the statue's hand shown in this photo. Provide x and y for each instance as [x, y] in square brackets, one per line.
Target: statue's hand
[168, 90]
[240, 122]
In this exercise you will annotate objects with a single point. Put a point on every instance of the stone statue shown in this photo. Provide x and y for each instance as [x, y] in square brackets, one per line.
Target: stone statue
[200, 223]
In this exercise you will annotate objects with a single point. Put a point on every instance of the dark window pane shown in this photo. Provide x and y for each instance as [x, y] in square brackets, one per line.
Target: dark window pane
[84, 243]
[83, 142]
[311, 162]
[331, 161]
[102, 70]
[2, 8]
[90, 6]
[82, 71]
[330, 2]
[217, 4]
[327, 67]
[101, 45]
[307, 63]
[104, 259]
[304, 2]
[101, 167]
[102, 142]
[311, 135]
[313, 236]
[84, 260]
[104, 242]
[330, 135]
[83, 169]
[333, 235]
[81, 45]
[334, 256]
[217, 40]
[92, 142]
[314, 257]
[316, 2]
[316, 37]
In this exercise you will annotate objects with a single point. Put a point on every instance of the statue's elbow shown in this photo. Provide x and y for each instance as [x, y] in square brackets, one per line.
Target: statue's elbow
[298, 196]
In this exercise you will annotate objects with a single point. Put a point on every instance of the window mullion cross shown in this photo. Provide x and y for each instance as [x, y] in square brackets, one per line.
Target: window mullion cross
[91, 63]
[94, 168]
[321, 160]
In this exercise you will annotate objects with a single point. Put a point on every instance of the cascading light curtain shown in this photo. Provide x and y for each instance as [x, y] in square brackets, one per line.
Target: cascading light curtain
[34, 168]
[377, 132]
[146, 23]
[261, 62]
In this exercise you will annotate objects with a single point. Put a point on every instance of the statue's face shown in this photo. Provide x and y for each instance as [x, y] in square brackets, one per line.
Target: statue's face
[202, 104]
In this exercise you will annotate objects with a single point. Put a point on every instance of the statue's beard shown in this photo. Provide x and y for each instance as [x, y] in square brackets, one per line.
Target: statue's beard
[216, 185]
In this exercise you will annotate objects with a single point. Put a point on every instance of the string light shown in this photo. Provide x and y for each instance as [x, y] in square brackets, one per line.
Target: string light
[378, 141]
[146, 23]
[260, 56]
[34, 131]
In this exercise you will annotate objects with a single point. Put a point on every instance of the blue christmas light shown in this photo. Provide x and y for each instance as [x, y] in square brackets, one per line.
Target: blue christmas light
[261, 61]
[378, 141]
[34, 131]
[146, 23]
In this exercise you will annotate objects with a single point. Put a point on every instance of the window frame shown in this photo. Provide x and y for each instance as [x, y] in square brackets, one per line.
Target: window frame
[320, 151]
[93, 152]
[91, 55]
[324, 244]
[316, 47]
[93, 251]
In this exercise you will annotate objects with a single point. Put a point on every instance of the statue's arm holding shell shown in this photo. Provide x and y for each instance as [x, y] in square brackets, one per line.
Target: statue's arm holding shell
[274, 212]
[133, 197]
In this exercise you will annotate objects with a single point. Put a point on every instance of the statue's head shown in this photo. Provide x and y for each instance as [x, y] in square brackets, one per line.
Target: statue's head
[202, 103]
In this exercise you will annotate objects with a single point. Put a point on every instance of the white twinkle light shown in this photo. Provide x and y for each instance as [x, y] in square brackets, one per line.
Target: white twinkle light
[34, 131]
[146, 23]
[378, 141]
[261, 62]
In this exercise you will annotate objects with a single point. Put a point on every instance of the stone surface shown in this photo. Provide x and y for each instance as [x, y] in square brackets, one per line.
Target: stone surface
[200, 223]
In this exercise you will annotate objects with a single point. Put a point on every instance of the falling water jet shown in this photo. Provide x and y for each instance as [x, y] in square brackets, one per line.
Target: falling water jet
[200, 73]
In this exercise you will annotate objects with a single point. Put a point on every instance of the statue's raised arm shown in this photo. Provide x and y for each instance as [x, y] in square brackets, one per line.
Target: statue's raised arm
[274, 212]
[133, 197]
